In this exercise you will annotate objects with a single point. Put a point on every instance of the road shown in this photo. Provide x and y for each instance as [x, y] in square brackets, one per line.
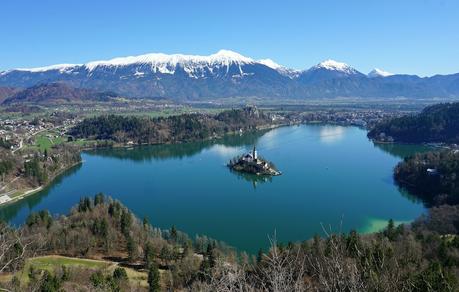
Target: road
[22, 140]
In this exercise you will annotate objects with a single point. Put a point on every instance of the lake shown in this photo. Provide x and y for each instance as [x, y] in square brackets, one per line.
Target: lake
[333, 177]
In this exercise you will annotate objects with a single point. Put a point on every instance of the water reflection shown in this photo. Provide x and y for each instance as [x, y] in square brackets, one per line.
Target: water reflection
[10, 211]
[410, 197]
[226, 151]
[227, 144]
[402, 150]
[331, 134]
[252, 178]
[270, 140]
[226, 147]
[185, 185]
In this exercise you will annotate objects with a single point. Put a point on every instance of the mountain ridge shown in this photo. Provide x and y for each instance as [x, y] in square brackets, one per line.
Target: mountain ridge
[55, 93]
[229, 74]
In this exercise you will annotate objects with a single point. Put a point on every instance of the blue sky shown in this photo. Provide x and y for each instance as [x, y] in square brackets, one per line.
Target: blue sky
[403, 36]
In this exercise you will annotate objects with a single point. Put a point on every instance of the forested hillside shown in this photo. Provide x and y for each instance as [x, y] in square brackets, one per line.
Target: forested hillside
[36, 168]
[423, 257]
[432, 176]
[437, 123]
[182, 128]
[57, 93]
[6, 92]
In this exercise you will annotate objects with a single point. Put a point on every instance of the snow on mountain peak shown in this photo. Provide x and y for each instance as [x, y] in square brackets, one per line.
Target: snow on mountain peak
[61, 67]
[162, 63]
[379, 73]
[270, 63]
[229, 56]
[336, 66]
[166, 63]
[291, 73]
[194, 65]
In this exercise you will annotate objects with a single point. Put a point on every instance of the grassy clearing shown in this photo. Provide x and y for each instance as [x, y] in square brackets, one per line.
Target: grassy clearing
[44, 142]
[137, 277]
[49, 262]
[54, 262]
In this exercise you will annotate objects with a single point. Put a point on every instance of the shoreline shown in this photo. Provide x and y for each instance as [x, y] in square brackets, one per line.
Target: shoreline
[371, 228]
[375, 225]
[429, 144]
[126, 145]
[30, 192]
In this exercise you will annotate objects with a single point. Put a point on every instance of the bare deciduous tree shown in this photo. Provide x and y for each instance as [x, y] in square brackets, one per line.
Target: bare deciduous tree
[282, 270]
[14, 246]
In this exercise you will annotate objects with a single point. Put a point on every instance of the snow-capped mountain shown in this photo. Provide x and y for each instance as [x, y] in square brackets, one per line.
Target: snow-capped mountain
[222, 74]
[379, 73]
[332, 65]
[291, 73]
[62, 68]
[194, 66]
[228, 74]
[327, 70]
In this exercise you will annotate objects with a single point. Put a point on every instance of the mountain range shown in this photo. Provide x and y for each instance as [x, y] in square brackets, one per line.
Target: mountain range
[6, 92]
[229, 74]
[57, 93]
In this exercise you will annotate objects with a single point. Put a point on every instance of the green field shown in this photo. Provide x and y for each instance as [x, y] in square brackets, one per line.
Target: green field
[53, 262]
[43, 142]
[50, 262]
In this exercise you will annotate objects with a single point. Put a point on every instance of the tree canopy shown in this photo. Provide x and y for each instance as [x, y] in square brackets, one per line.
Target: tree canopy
[435, 124]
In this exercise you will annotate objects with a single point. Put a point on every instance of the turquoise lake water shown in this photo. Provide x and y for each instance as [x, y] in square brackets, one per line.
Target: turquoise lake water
[332, 176]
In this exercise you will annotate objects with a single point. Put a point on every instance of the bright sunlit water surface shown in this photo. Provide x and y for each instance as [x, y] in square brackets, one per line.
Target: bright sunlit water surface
[332, 176]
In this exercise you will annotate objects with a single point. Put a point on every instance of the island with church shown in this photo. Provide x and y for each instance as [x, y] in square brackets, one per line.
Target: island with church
[253, 164]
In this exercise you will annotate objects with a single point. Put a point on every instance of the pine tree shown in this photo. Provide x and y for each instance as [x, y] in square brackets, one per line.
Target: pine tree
[353, 243]
[390, 232]
[259, 256]
[131, 248]
[120, 274]
[211, 254]
[149, 254]
[99, 199]
[174, 233]
[126, 221]
[145, 223]
[153, 279]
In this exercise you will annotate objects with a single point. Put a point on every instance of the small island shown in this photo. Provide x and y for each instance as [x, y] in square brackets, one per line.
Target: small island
[251, 163]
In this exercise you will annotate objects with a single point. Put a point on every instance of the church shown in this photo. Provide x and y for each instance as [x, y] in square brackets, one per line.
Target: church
[251, 163]
[251, 156]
